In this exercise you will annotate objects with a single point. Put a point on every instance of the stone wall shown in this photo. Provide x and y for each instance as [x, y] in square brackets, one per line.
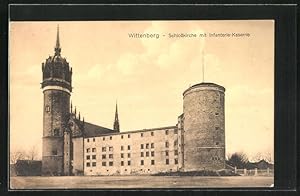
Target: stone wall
[204, 127]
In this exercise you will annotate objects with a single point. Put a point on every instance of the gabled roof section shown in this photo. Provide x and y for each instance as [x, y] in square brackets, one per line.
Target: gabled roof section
[92, 130]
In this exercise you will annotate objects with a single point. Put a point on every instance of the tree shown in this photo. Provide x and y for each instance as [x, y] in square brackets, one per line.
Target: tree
[32, 153]
[238, 159]
[16, 155]
[267, 156]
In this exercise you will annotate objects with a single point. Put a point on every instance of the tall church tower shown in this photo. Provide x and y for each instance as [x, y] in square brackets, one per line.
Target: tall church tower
[116, 122]
[57, 88]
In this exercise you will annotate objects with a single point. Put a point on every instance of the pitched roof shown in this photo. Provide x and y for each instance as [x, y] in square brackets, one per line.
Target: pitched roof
[91, 130]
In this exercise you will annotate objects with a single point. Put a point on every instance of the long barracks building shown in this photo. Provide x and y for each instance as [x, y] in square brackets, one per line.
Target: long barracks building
[72, 146]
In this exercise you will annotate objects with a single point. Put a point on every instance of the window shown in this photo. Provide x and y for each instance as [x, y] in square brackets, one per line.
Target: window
[217, 128]
[217, 113]
[47, 108]
[111, 156]
[88, 157]
[122, 155]
[147, 146]
[142, 134]
[93, 156]
[103, 138]
[167, 161]
[152, 145]
[152, 133]
[122, 136]
[103, 149]
[88, 150]
[111, 163]
[54, 152]
[110, 148]
[104, 156]
[217, 143]
[175, 142]
[93, 139]
[122, 163]
[142, 146]
[152, 154]
[176, 152]
[167, 132]
[142, 154]
[56, 132]
[175, 131]
[128, 155]
[142, 162]
[167, 144]
[167, 153]
[128, 136]
[122, 147]
[176, 161]
[110, 137]
[88, 140]
[103, 163]
[94, 164]
[129, 162]
[152, 162]
[147, 154]
[88, 164]
[128, 147]
[93, 149]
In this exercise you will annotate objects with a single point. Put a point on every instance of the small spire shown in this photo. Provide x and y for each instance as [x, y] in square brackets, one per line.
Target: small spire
[116, 122]
[71, 107]
[75, 112]
[79, 116]
[57, 46]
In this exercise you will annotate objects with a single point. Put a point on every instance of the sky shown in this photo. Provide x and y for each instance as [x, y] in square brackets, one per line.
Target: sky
[147, 76]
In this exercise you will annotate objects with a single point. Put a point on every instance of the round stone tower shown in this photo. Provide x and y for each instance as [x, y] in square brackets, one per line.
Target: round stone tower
[204, 127]
[57, 89]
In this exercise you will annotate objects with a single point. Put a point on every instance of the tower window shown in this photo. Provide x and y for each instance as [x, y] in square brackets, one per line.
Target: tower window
[142, 162]
[122, 147]
[110, 148]
[94, 164]
[111, 163]
[56, 132]
[128, 147]
[47, 108]
[142, 134]
[111, 156]
[128, 155]
[167, 132]
[104, 156]
[147, 154]
[152, 145]
[54, 152]
[217, 113]
[176, 152]
[142, 154]
[103, 163]
[152, 153]
[88, 164]
[142, 146]
[167, 153]
[175, 131]
[110, 137]
[147, 146]
[93, 156]
[122, 163]
[152, 133]
[103, 149]
[128, 135]
[217, 128]
[93, 149]
[103, 138]
[122, 155]
[152, 162]
[88, 140]
[167, 161]
[129, 162]
[88, 157]
[122, 136]
[93, 139]
[217, 143]
[88, 150]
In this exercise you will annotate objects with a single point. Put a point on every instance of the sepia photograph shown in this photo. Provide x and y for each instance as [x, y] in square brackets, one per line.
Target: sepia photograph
[141, 104]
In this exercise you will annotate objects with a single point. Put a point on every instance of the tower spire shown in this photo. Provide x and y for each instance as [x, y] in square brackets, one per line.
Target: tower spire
[116, 122]
[57, 45]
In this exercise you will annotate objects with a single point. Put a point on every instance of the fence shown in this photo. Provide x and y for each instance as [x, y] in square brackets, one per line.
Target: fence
[254, 172]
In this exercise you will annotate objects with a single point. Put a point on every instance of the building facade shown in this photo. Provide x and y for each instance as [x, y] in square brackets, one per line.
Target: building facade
[72, 146]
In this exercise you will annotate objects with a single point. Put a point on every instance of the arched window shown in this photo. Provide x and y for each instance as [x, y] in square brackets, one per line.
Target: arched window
[56, 132]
